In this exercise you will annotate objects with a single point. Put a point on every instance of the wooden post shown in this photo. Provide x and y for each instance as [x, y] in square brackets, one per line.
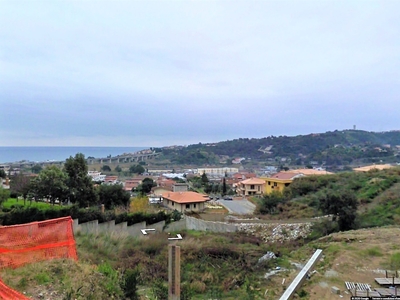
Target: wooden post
[174, 272]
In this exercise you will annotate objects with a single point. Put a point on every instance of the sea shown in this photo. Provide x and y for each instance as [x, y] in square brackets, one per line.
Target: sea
[44, 154]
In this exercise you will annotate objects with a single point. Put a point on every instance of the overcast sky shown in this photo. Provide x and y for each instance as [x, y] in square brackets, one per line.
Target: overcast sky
[158, 73]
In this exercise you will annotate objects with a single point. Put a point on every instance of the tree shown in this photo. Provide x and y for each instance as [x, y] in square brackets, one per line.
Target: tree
[118, 169]
[208, 188]
[51, 184]
[146, 185]
[223, 187]
[20, 185]
[113, 195]
[80, 184]
[4, 195]
[342, 205]
[270, 202]
[106, 168]
[36, 169]
[204, 179]
[3, 173]
[137, 169]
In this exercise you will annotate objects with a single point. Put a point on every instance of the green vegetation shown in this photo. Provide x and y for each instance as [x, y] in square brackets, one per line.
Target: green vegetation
[4, 194]
[12, 203]
[334, 149]
[224, 266]
[18, 212]
[136, 169]
[353, 199]
[145, 187]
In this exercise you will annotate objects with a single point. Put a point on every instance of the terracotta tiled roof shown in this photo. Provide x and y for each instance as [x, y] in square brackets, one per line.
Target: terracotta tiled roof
[243, 175]
[185, 197]
[130, 184]
[310, 172]
[368, 168]
[284, 175]
[252, 181]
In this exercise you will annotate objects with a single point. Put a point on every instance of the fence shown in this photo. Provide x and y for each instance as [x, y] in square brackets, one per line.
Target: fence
[34, 242]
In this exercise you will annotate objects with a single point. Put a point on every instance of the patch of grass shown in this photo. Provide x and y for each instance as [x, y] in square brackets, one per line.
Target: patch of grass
[195, 233]
[113, 284]
[332, 249]
[42, 278]
[394, 261]
[374, 251]
[12, 202]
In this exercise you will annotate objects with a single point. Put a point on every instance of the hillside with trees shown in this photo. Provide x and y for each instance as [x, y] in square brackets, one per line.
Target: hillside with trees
[352, 199]
[332, 148]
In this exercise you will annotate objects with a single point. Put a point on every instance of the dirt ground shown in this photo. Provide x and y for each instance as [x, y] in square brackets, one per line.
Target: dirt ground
[356, 256]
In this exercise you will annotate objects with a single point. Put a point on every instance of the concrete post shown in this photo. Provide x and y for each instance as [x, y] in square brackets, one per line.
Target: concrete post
[174, 272]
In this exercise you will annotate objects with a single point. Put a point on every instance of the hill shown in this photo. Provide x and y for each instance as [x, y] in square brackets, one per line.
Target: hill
[214, 266]
[331, 148]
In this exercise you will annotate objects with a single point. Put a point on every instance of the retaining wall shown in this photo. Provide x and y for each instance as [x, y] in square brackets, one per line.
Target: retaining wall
[197, 224]
[93, 227]
[176, 226]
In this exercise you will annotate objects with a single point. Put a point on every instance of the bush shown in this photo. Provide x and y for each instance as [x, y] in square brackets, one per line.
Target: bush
[113, 283]
[130, 284]
[160, 290]
[18, 214]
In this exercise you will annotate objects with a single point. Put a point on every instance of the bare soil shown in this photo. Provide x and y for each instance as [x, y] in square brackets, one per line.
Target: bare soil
[355, 256]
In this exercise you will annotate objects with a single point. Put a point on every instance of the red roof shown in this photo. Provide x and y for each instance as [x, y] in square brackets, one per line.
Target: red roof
[284, 175]
[185, 197]
[252, 181]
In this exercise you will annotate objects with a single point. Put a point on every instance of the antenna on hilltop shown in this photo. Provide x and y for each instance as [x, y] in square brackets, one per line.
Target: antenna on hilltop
[354, 127]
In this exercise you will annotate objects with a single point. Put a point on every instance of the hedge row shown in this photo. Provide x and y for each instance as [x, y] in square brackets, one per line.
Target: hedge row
[22, 215]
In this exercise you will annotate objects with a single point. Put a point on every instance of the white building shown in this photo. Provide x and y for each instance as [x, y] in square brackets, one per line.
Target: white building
[96, 176]
[217, 171]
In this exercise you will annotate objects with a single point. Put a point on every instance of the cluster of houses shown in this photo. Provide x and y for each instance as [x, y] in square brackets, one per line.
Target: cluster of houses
[177, 196]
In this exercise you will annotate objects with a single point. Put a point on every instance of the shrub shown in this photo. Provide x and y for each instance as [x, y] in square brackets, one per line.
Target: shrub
[130, 284]
[160, 290]
[113, 281]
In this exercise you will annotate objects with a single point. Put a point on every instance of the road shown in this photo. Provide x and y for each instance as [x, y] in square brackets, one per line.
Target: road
[240, 207]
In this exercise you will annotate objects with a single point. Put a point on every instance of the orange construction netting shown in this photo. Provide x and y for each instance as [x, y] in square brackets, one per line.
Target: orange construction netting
[34, 242]
[7, 293]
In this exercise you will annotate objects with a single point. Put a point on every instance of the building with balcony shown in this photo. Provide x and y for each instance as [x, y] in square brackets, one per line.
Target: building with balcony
[251, 187]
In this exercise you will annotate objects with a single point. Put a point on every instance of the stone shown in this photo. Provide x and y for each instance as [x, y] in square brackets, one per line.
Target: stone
[335, 290]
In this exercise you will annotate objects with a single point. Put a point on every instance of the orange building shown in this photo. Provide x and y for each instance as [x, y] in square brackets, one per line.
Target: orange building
[184, 201]
[250, 187]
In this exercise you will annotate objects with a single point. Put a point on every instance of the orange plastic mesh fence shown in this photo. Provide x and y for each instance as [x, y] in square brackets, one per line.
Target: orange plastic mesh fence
[37, 241]
[34, 242]
[7, 293]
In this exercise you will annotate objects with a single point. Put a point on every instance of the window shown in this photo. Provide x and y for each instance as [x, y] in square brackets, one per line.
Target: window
[275, 184]
[187, 206]
[252, 187]
[194, 205]
[269, 182]
[173, 203]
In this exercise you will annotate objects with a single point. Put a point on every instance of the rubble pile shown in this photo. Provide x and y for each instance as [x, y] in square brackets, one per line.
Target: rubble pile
[270, 255]
[270, 232]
